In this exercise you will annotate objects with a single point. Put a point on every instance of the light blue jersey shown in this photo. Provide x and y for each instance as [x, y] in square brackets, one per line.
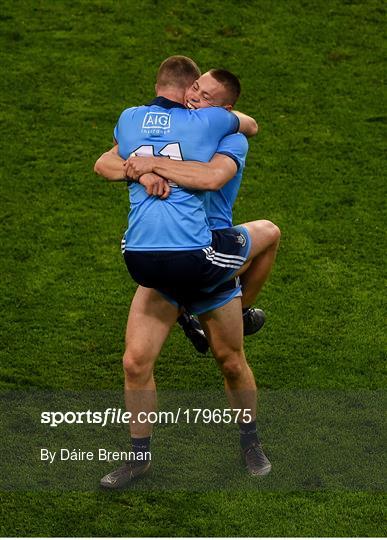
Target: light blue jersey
[168, 129]
[219, 203]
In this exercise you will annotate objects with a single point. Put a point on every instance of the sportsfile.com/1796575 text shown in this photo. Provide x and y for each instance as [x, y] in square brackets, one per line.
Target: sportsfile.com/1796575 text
[118, 416]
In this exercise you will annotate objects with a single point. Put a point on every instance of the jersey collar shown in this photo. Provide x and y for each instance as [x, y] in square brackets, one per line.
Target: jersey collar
[166, 103]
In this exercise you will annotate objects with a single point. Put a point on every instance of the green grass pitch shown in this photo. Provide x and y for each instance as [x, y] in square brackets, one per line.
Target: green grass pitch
[312, 75]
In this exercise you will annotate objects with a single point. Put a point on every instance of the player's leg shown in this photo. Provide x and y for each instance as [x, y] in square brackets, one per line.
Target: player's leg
[250, 250]
[224, 328]
[265, 237]
[150, 320]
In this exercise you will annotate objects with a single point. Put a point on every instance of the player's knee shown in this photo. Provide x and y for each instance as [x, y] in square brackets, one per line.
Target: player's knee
[135, 368]
[265, 232]
[232, 366]
[271, 231]
[275, 232]
[232, 370]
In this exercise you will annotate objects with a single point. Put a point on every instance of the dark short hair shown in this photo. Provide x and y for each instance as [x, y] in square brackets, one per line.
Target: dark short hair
[177, 71]
[229, 81]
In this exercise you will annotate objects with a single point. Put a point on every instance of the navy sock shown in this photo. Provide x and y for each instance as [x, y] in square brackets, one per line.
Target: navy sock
[140, 446]
[245, 310]
[248, 433]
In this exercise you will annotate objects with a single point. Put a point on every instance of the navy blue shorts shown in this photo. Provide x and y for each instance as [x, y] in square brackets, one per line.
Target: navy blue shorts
[185, 276]
[207, 301]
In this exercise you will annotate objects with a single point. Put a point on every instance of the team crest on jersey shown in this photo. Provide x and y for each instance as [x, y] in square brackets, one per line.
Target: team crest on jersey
[157, 121]
[241, 239]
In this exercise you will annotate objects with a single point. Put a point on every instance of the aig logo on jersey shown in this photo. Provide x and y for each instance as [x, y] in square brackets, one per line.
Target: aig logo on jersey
[157, 121]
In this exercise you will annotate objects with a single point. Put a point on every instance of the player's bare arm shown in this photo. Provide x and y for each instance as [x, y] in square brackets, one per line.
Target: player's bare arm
[110, 166]
[209, 176]
[247, 125]
[190, 174]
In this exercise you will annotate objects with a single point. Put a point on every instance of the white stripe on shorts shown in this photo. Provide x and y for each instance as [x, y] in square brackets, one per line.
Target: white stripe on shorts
[216, 263]
[211, 251]
[223, 259]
